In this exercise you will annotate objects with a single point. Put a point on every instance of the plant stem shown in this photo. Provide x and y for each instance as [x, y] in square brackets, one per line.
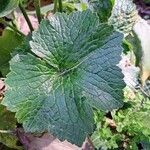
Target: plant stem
[26, 17]
[55, 6]
[60, 5]
[37, 5]
[14, 23]
[10, 26]
[6, 131]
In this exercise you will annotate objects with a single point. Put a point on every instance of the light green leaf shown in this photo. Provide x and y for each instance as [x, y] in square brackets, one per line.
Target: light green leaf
[8, 42]
[8, 122]
[7, 6]
[4, 117]
[10, 141]
[124, 15]
[103, 8]
[75, 70]
[135, 45]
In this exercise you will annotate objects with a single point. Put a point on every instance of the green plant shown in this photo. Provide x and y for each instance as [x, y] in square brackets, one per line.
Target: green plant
[59, 82]
[63, 77]
[128, 126]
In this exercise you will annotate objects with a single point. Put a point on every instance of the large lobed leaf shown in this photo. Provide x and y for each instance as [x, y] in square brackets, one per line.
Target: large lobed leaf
[7, 6]
[74, 71]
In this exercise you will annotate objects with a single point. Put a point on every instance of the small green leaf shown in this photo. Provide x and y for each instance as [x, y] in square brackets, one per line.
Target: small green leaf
[124, 15]
[8, 42]
[135, 45]
[7, 6]
[103, 8]
[7, 122]
[75, 70]
[5, 116]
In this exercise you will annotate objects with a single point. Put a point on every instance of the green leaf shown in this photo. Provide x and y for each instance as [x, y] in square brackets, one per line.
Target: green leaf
[124, 15]
[7, 122]
[135, 45]
[10, 141]
[5, 116]
[7, 6]
[8, 42]
[103, 8]
[75, 70]
[145, 145]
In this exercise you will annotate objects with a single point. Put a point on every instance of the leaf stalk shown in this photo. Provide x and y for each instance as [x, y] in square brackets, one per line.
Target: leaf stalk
[60, 5]
[37, 5]
[55, 6]
[26, 17]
